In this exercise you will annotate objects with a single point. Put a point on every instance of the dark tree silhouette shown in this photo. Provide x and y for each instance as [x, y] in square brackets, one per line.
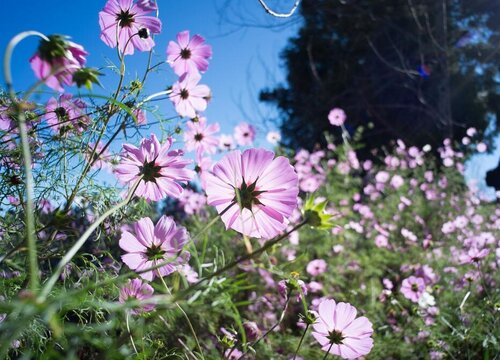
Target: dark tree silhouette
[419, 70]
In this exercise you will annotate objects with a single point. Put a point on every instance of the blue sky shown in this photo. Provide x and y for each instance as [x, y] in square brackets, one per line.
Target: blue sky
[246, 45]
[245, 58]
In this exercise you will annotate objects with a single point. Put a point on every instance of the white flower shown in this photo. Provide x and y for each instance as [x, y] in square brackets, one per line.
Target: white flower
[426, 300]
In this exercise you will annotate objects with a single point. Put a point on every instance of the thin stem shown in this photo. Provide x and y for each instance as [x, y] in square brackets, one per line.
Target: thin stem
[81, 241]
[328, 351]
[130, 334]
[185, 316]
[280, 320]
[8, 56]
[300, 342]
[25, 148]
[30, 206]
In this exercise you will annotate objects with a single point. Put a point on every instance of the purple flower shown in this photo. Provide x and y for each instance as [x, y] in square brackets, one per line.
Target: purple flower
[316, 267]
[127, 25]
[256, 191]
[244, 134]
[66, 114]
[337, 117]
[200, 136]
[162, 171]
[412, 288]
[189, 97]
[188, 56]
[339, 331]
[137, 290]
[151, 245]
[56, 60]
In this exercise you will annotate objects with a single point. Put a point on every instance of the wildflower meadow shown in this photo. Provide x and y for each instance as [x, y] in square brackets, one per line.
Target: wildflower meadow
[134, 226]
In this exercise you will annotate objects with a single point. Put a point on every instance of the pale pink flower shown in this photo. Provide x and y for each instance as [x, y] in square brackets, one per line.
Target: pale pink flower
[244, 134]
[162, 171]
[137, 290]
[397, 181]
[127, 24]
[337, 117]
[273, 137]
[56, 60]
[474, 255]
[103, 161]
[189, 97]
[188, 55]
[339, 331]
[66, 114]
[316, 267]
[481, 147]
[412, 288]
[226, 142]
[254, 192]
[154, 245]
[200, 137]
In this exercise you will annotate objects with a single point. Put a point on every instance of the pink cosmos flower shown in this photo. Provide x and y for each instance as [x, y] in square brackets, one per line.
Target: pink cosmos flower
[126, 24]
[162, 171]
[226, 142]
[56, 60]
[244, 134]
[151, 245]
[187, 56]
[137, 290]
[103, 161]
[201, 137]
[337, 117]
[254, 192]
[339, 331]
[412, 288]
[273, 137]
[474, 255]
[66, 114]
[316, 267]
[189, 97]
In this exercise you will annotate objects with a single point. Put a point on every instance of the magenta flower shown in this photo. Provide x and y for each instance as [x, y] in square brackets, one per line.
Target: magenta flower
[201, 137]
[244, 134]
[189, 97]
[56, 60]
[66, 114]
[474, 255]
[254, 192]
[316, 267]
[187, 56]
[412, 288]
[151, 245]
[137, 290]
[162, 171]
[337, 117]
[339, 331]
[126, 24]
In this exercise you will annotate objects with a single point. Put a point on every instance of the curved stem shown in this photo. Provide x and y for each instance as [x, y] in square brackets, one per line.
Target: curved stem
[81, 241]
[8, 56]
[130, 334]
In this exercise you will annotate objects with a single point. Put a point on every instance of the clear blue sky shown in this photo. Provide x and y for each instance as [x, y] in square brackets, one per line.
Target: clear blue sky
[246, 58]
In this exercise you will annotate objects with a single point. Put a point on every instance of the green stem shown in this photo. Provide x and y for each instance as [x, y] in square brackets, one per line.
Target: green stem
[185, 316]
[300, 342]
[26, 153]
[328, 351]
[130, 333]
[81, 241]
[30, 206]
